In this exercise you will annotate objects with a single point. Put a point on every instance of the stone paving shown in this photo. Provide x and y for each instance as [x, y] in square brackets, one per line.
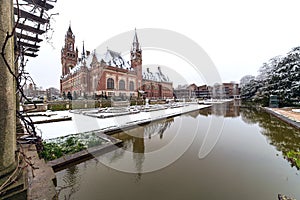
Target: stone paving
[289, 113]
[41, 180]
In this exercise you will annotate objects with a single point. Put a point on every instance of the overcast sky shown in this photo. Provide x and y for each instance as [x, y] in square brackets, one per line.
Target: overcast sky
[237, 35]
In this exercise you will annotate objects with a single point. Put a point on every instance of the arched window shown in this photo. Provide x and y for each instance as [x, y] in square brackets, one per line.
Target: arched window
[131, 86]
[121, 85]
[110, 83]
[70, 46]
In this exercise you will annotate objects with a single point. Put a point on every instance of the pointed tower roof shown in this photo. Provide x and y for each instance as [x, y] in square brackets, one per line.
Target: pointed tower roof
[135, 39]
[135, 43]
[70, 32]
[83, 51]
[69, 29]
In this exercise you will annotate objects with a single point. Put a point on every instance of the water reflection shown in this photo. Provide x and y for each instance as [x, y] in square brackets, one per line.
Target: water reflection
[71, 182]
[226, 110]
[233, 165]
[134, 138]
[134, 141]
[279, 134]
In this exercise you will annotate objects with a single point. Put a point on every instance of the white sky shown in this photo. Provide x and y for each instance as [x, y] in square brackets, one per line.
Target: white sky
[237, 35]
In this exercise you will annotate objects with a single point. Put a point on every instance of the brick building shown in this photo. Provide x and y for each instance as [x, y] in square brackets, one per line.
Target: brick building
[185, 91]
[109, 74]
[220, 91]
[156, 85]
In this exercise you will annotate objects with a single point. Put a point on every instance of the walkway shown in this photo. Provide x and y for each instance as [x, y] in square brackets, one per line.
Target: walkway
[286, 114]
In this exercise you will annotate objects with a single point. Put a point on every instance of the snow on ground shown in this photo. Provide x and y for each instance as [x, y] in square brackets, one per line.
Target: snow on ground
[296, 110]
[290, 114]
[81, 123]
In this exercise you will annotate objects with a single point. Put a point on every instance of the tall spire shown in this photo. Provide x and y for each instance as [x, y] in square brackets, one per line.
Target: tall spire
[69, 29]
[135, 43]
[83, 51]
[135, 39]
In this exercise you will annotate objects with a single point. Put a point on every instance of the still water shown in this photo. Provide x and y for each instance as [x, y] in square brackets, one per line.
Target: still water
[246, 162]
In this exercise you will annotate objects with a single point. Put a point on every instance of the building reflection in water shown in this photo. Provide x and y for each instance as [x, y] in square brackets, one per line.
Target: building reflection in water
[134, 140]
[279, 134]
[231, 109]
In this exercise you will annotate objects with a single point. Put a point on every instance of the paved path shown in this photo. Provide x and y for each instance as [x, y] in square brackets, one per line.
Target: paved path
[286, 114]
[289, 113]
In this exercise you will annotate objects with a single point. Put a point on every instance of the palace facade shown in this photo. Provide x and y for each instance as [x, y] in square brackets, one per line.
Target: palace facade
[109, 74]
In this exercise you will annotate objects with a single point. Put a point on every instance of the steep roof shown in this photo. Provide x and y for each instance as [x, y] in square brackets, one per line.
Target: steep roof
[135, 43]
[69, 29]
[110, 58]
[158, 76]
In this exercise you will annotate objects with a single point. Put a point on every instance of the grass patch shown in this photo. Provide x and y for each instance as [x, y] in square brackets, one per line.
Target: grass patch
[294, 158]
[66, 145]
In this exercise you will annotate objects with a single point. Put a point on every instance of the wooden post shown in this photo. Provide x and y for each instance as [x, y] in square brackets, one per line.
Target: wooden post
[7, 93]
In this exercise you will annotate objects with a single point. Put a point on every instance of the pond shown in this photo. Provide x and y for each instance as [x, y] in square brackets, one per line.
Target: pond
[244, 159]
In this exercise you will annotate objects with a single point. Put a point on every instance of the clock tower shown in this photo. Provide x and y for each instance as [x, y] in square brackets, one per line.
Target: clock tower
[136, 58]
[69, 55]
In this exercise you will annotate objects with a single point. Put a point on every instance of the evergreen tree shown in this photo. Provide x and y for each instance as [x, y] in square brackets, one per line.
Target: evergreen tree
[280, 76]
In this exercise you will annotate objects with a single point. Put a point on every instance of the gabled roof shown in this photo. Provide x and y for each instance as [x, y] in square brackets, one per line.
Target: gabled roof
[155, 76]
[110, 58]
[115, 59]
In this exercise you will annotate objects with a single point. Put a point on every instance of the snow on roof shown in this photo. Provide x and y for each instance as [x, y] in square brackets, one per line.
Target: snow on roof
[115, 59]
[156, 76]
[110, 58]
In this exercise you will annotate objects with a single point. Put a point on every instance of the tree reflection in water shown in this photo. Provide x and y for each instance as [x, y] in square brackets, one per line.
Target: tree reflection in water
[71, 181]
[279, 134]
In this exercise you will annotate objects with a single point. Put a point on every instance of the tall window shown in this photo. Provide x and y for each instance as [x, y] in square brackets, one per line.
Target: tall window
[110, 83]
[121, 85]
[95, 83]
[131, 86]
[70, 46]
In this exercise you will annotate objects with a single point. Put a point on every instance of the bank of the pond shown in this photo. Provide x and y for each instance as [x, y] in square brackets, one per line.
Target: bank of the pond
[77, 157]
[285, 116]
[293, 119]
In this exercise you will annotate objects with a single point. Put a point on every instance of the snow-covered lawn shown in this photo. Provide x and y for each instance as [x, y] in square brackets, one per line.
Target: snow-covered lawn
[81, 123]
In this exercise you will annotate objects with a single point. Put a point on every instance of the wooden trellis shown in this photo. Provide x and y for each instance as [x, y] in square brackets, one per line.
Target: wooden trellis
[31, 22]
